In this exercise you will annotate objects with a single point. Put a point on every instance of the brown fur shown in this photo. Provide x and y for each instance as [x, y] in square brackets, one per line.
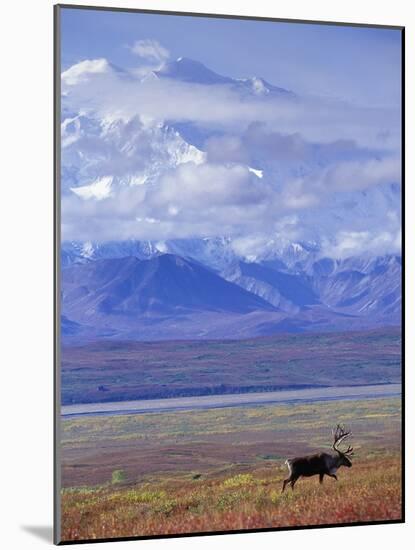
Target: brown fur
[320, 464]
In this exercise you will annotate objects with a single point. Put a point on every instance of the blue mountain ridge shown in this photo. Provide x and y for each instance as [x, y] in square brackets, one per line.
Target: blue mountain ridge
[168, 296]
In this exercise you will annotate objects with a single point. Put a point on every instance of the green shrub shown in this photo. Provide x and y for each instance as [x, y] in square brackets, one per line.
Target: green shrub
[118, 476]
[230, 500]
[149, 497]
[238, 481]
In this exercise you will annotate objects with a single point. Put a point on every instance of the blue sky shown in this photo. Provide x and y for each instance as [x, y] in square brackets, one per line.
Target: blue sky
[361, 65]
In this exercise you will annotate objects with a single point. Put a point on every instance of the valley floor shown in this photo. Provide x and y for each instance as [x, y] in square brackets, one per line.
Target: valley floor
[110, 371]
[222, 469]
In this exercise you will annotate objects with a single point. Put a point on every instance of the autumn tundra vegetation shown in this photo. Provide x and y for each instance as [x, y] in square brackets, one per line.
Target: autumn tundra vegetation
[222, 469]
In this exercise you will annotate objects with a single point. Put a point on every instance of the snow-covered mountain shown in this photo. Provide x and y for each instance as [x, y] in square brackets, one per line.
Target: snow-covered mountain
[189, 70]
[103, 154]
[314, 282]
[367, 287]
[217, 253]
[98, 155]
[139, 279]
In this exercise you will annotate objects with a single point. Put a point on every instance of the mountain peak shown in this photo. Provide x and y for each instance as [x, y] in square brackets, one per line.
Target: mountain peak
[164, 285]
[259, 86]
[189, 70]
[89, 68]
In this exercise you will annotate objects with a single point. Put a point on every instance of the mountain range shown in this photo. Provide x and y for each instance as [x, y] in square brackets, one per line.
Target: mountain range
[170, 297]
[222, 285]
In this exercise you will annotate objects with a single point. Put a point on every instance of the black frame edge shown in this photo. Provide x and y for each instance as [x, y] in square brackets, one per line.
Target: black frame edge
[403, 283]
[56, 275]
[227, 16]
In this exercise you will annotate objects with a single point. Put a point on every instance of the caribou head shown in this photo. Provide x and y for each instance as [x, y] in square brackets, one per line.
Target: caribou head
[340, 435]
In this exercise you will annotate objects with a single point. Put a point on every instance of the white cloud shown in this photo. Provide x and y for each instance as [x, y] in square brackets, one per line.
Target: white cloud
[274, 169]
[296, 195]
[359, 175]
[355, 243]
[258, 141]
[189, 200]
[251, 246]
[110, 94]
[226, 148]
[150, 50]
[210, 200]
[208, 186]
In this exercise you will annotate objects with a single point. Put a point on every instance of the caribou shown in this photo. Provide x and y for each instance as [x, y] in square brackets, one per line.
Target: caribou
[321, 464]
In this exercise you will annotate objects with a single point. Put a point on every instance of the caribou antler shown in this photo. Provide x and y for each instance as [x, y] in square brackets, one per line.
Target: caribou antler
[340, 435]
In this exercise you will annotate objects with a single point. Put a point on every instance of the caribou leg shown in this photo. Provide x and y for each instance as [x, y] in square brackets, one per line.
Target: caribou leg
[294, 479]
[285, 483]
